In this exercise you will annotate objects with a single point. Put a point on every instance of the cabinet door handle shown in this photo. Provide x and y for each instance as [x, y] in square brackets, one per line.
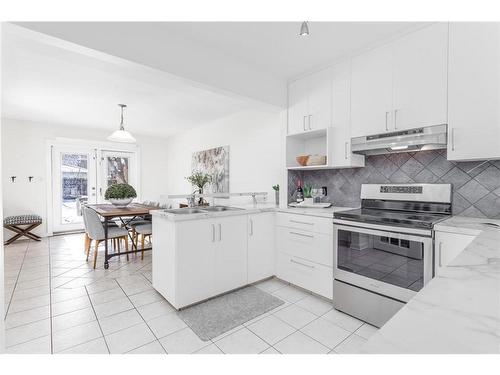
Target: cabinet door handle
[452, 139]
[302, 235]
[251, 227]
[386, 121]
[304, 123]
[396, 119]
[345, 150]
[440, 257]
[309, 121]
[302, 264]
[220, 232]
[213, 232]
[300, 222]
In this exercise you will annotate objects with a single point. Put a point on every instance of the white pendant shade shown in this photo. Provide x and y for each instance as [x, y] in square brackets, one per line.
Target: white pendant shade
[304, 29]
[122, 136]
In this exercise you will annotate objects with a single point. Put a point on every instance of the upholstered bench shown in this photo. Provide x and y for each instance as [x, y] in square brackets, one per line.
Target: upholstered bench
[29, 222]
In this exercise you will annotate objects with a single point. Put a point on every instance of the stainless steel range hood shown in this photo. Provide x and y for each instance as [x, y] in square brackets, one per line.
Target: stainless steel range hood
[426, 138]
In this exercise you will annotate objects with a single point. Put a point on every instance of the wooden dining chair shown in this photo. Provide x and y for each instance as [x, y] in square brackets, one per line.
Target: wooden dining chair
[143, 231]
[87, 239]
[95, 232]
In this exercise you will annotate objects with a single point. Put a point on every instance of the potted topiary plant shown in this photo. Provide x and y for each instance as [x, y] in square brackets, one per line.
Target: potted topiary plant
[120, 194]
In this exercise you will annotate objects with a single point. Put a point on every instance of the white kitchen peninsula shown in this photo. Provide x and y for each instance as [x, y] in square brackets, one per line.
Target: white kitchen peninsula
[203, 254]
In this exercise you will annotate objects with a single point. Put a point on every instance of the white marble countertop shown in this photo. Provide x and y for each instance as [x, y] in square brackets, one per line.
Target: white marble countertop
[250, 209]
[456, 312]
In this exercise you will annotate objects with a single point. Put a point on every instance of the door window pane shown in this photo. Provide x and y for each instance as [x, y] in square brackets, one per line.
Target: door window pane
[391, 260]
[74, 178]
[117, 170]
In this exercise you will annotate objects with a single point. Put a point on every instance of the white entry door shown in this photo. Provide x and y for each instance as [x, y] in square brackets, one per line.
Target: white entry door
[73, 184]
[81, 174]
[116, 167]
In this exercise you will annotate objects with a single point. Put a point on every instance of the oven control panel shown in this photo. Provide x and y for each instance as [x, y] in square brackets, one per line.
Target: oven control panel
[401, 189]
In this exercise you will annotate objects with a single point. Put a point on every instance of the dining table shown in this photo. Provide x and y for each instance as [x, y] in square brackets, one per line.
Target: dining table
[126, 215]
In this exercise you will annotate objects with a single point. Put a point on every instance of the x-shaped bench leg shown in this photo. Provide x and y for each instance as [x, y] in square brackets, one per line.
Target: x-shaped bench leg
[22, 232]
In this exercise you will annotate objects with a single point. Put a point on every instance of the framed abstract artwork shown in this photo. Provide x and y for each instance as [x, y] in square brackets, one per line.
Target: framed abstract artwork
[214, 162]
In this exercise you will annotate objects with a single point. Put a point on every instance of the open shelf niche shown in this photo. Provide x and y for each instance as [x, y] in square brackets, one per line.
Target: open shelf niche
[309, 143]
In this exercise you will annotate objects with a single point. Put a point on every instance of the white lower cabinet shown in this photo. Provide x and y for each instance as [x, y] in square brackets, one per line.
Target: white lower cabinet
[317, 247]
[198, 259]
[304, 247]
[306, 274]
[230, 253]
[447, 246]
[195, 260]
[261, 255]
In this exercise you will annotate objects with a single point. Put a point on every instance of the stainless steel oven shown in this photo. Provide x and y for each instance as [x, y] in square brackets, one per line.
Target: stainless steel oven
[383, 251]
[394, 264]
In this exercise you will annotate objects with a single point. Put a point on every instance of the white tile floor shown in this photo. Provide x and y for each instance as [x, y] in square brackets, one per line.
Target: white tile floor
[56, 303]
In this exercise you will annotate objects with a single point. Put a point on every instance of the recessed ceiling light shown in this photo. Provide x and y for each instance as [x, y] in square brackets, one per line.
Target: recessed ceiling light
[304, 29]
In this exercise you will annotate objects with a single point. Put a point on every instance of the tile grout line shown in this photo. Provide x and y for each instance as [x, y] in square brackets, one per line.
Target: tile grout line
[17, 280]
[304, 333]
[50, 301]
[97, 319]
[144, 320]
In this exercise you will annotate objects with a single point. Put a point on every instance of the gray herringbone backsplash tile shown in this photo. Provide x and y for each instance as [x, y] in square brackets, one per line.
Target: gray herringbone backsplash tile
[476, 187]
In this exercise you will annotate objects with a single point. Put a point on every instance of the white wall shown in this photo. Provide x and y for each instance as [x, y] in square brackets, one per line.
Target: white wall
[255, 151]
[2, 299]
[24, 153]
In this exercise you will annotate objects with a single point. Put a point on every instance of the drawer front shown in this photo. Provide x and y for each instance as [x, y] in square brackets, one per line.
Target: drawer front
[315, 247]
[307, 223]
[308, 275]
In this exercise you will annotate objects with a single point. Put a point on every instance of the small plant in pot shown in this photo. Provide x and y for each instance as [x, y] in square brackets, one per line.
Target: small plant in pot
[120, 194]
[307, 194]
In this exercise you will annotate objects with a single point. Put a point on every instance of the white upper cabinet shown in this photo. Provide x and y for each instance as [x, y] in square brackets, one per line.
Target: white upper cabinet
[474, 91]
[420, 78]
[297, 106]
[340, 145]
[319, 100]
[371, 92]
[309, 106]
[401, 85]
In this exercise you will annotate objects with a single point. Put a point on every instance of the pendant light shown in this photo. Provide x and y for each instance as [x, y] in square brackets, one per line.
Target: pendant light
[304, 29]
[121, 135]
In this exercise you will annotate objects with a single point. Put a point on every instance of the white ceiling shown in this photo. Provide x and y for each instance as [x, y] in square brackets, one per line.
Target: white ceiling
[46, 83]
[250, 58]
[172, 75]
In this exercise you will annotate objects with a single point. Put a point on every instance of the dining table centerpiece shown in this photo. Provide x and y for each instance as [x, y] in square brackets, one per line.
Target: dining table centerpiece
[120, 195]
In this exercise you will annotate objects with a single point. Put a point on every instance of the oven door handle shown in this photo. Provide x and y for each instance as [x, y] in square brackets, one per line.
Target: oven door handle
[376, 232]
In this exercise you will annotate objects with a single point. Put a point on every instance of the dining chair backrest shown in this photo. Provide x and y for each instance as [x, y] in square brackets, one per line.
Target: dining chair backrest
[154, 204]
[93, 224]
[85, 219]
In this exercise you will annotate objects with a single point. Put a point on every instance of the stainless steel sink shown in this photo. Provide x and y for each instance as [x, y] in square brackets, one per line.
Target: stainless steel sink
[220, 208]
[185, 211]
